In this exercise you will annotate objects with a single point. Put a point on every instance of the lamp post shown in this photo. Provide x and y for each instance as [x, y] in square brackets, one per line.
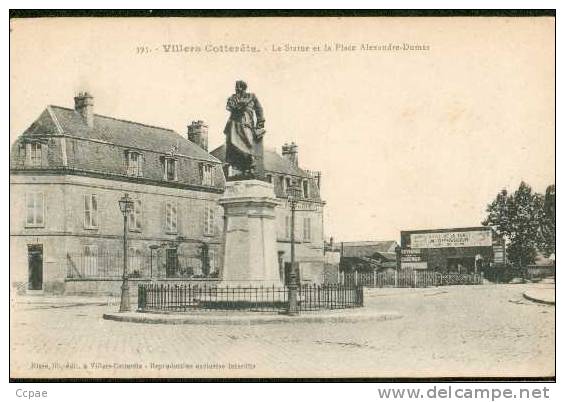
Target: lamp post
[126, 206]
[293, 193]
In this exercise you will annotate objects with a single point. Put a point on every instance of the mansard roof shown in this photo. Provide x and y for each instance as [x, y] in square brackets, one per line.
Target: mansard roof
[101, 149]
[277, 165]
[60, 120]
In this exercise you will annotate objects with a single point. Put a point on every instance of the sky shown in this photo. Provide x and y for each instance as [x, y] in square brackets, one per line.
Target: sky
[405, 139]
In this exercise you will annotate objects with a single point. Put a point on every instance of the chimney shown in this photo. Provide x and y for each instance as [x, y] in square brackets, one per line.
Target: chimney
[84, 104]
[197, 132]
[290, 153]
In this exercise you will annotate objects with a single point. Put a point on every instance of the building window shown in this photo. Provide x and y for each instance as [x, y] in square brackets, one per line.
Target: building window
[212, 261]
[34, 153]
[269, 178]
[209, 220]
[171, 217]
[207, 175]
[307, 229]
[34, 210]
[134, 164]
[90, 260]
[305, 189]
[282, 183]
[287, 183]
[287, 227]
[90, 211]
[170, 169]
[135, 260]
[135, 217]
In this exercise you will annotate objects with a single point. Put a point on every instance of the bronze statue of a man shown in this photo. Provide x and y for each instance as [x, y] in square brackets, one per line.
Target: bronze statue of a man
[244, 132]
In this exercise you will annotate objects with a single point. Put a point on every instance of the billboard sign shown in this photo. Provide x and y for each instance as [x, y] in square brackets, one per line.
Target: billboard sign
[411, 255]
[414, 265]
[477, 238]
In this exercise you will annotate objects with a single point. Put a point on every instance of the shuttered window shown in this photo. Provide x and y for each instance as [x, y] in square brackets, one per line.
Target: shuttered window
[170, 166]
[207, 173]
[90, 211]
[212, 259]
[135, 260]
[34, 149]
[305, 189]
[209, 219]
[34, 210]
[171, 217]
[307, 229]
[135, 216]
[134, 164]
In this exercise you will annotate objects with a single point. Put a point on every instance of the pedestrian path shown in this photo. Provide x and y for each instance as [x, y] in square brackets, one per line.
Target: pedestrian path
[541, 295]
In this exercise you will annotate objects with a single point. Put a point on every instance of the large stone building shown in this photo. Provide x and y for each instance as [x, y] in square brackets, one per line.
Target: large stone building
[67, 172]
[71, 166]
[282, 171]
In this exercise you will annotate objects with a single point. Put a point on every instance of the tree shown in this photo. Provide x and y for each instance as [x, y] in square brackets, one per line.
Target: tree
[547, 226]
[517, 218]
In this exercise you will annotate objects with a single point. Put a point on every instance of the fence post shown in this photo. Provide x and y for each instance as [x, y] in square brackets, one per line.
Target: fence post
[396, 278]
[415, 278]
[374, 278]
[355, 276]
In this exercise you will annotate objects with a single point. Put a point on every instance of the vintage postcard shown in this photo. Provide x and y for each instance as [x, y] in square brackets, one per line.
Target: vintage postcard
[282, 197]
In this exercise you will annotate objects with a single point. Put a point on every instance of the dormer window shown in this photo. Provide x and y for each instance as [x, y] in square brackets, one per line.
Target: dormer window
[134, 163]
[170, 169]
[207, 174]
[33, 154]
[305, 189]
[287, 183]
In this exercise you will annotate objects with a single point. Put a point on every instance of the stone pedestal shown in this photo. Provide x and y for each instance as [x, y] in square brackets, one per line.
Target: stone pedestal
[250, 250]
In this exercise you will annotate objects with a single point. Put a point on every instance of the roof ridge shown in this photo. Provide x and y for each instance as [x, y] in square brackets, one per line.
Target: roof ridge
[123, 120]
[55, 120]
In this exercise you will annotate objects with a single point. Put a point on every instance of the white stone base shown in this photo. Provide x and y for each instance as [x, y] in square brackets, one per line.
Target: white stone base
[250, 252]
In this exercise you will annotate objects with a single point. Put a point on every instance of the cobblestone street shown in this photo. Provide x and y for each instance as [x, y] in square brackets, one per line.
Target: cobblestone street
[486, 330]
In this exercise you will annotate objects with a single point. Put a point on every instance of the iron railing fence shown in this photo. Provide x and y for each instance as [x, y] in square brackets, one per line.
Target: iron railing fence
[109, 265]
[408, 279]
[189, 297]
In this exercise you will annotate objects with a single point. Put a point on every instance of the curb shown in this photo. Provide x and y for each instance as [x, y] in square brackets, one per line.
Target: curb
[538, 300]
[249, 319]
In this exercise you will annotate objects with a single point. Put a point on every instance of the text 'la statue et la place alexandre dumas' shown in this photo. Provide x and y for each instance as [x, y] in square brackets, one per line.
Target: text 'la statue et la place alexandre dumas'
[288, 48]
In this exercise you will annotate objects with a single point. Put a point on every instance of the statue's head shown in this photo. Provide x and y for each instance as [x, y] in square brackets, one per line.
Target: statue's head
[240, 86]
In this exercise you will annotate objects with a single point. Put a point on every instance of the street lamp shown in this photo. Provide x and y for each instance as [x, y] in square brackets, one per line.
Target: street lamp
[293, 193]
[126, 206]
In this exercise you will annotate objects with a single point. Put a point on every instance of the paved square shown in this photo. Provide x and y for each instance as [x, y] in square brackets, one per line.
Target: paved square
[486, 330]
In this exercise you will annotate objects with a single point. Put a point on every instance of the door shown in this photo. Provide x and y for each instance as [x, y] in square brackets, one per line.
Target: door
[172, 262]
[35, 266]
